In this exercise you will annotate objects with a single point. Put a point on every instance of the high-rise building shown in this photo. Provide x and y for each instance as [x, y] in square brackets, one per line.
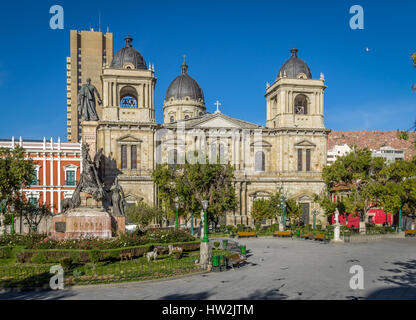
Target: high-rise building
[90, 52]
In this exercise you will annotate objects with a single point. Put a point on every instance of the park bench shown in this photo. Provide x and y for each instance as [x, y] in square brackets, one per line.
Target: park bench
[410, 233]
[321, 237]
[306, 235]
[287, 233]
[246, 234]
[235, 259]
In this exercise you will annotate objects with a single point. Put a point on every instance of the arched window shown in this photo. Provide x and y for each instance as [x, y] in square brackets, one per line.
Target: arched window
[128, 97]
[260, 161]
[172, 119]
[301, 104]
[222, 153]
[186, 117]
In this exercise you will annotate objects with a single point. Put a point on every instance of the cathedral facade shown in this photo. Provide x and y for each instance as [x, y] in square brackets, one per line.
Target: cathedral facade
[287, 154]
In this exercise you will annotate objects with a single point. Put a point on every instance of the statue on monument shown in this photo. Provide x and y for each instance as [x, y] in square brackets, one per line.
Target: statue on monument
[86, 102]
[89, 182]
[117, 199]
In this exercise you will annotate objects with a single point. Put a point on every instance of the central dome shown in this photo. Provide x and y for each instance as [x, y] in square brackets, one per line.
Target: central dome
[128, 57]
[293, 67]
[184, 86]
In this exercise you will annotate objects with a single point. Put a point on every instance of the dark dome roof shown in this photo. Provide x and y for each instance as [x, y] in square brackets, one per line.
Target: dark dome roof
[294, 66]
[128, 55]
[184, 86]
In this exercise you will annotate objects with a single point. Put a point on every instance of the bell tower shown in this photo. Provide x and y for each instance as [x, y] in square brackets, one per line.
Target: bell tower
[295, 99]
[128, 87]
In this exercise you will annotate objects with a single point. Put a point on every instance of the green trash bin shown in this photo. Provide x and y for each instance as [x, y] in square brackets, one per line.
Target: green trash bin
[298, 233]
[223, 264]
[215, 263]
[243, 250]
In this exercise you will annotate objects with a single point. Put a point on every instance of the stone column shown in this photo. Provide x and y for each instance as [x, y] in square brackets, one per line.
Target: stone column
[89, 136]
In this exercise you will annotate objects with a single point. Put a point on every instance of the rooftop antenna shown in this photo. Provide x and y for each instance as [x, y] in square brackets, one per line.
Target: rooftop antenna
[108, 29]
[99, 21]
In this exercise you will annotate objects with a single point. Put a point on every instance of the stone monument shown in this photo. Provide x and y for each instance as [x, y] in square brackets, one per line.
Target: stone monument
[337, 229]
[84, 215]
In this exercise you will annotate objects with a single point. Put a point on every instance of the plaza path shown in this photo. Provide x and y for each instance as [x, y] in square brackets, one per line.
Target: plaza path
[278, 269]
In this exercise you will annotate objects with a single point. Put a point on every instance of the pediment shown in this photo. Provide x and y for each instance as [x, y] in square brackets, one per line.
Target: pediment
[129, 138]
[305, 143]
[217, 122]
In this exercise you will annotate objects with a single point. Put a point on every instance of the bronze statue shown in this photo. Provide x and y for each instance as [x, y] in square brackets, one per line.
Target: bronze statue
[117, 199]
[89, 182]
[86, 102]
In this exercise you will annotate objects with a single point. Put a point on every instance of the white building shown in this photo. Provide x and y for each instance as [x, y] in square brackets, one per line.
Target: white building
[389, 153]
[337, 151]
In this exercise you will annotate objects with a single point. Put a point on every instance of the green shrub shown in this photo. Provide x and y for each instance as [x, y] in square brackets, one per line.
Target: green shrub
[94, 256]
[39, 258]
[66, 263]
[216, 244]
[6, 252]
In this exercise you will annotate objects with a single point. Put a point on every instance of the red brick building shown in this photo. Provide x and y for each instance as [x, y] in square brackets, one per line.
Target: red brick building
[58, 167]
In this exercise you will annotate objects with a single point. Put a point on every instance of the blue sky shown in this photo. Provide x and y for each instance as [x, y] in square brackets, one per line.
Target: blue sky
[233, 49]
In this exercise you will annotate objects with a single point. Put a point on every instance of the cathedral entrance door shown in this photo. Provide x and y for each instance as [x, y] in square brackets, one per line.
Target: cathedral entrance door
[305, 213]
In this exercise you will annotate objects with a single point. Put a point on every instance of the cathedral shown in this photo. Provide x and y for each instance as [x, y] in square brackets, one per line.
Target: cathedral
[287, 154]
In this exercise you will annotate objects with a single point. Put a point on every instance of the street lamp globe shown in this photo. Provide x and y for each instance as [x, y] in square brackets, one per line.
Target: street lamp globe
[205, 204]
[177, 205]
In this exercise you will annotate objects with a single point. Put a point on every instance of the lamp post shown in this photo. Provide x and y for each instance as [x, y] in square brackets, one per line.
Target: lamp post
[205, 206]
[282, 208]
[314, 212]
[12, 212]
[177, 214]
[192, 222]
[400, 219]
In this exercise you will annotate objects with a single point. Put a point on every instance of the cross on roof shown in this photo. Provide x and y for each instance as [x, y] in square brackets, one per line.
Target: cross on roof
[217, 103]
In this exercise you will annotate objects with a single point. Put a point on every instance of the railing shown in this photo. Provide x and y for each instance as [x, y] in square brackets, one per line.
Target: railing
[38, 276]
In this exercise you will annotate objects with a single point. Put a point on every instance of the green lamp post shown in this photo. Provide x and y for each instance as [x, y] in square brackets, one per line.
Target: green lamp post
[192, 222]
[177, 214]
[205, 206]
[314, 212]
[400, 219]
[282, 207]
[12, 231]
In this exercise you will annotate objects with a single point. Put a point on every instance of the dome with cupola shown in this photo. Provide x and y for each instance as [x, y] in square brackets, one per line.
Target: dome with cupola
[295, 67]
[128, 57]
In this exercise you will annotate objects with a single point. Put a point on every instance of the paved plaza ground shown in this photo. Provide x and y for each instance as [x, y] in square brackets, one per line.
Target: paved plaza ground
[278, 269]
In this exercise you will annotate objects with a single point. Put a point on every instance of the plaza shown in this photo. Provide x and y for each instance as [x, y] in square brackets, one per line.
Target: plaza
[276, 269]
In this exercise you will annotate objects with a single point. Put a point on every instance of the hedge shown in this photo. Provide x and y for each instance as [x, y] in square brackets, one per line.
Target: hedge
[6, 252]
[84, 256]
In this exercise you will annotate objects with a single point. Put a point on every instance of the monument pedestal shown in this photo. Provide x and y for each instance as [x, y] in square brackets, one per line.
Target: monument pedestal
[337, 233]
[205, 256]
[89, 135]
[82, 222]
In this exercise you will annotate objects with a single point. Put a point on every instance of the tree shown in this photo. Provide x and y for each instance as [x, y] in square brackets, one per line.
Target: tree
[16, 172]
[32, 213]
[360, 173]
[271, 208]
[143, 215]
[192, 183]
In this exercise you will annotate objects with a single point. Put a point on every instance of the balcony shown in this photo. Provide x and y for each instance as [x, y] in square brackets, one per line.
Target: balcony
[70, 183]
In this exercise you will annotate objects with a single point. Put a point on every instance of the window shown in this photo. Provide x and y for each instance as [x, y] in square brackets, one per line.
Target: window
[301, 104]
[186, 117]
[308, 159]
[124, 157]
[172, 119]
[260, 161]
[70, 178]
[300, 159]
[34, 201]
[222, 154]
[213, 152]
[134, 157]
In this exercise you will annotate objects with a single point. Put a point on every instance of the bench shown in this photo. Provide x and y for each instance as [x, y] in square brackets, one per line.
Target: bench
[321, 237]
[410, 233]
[235, 259]
[306, 235]
[282, 233]
[246, 234]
